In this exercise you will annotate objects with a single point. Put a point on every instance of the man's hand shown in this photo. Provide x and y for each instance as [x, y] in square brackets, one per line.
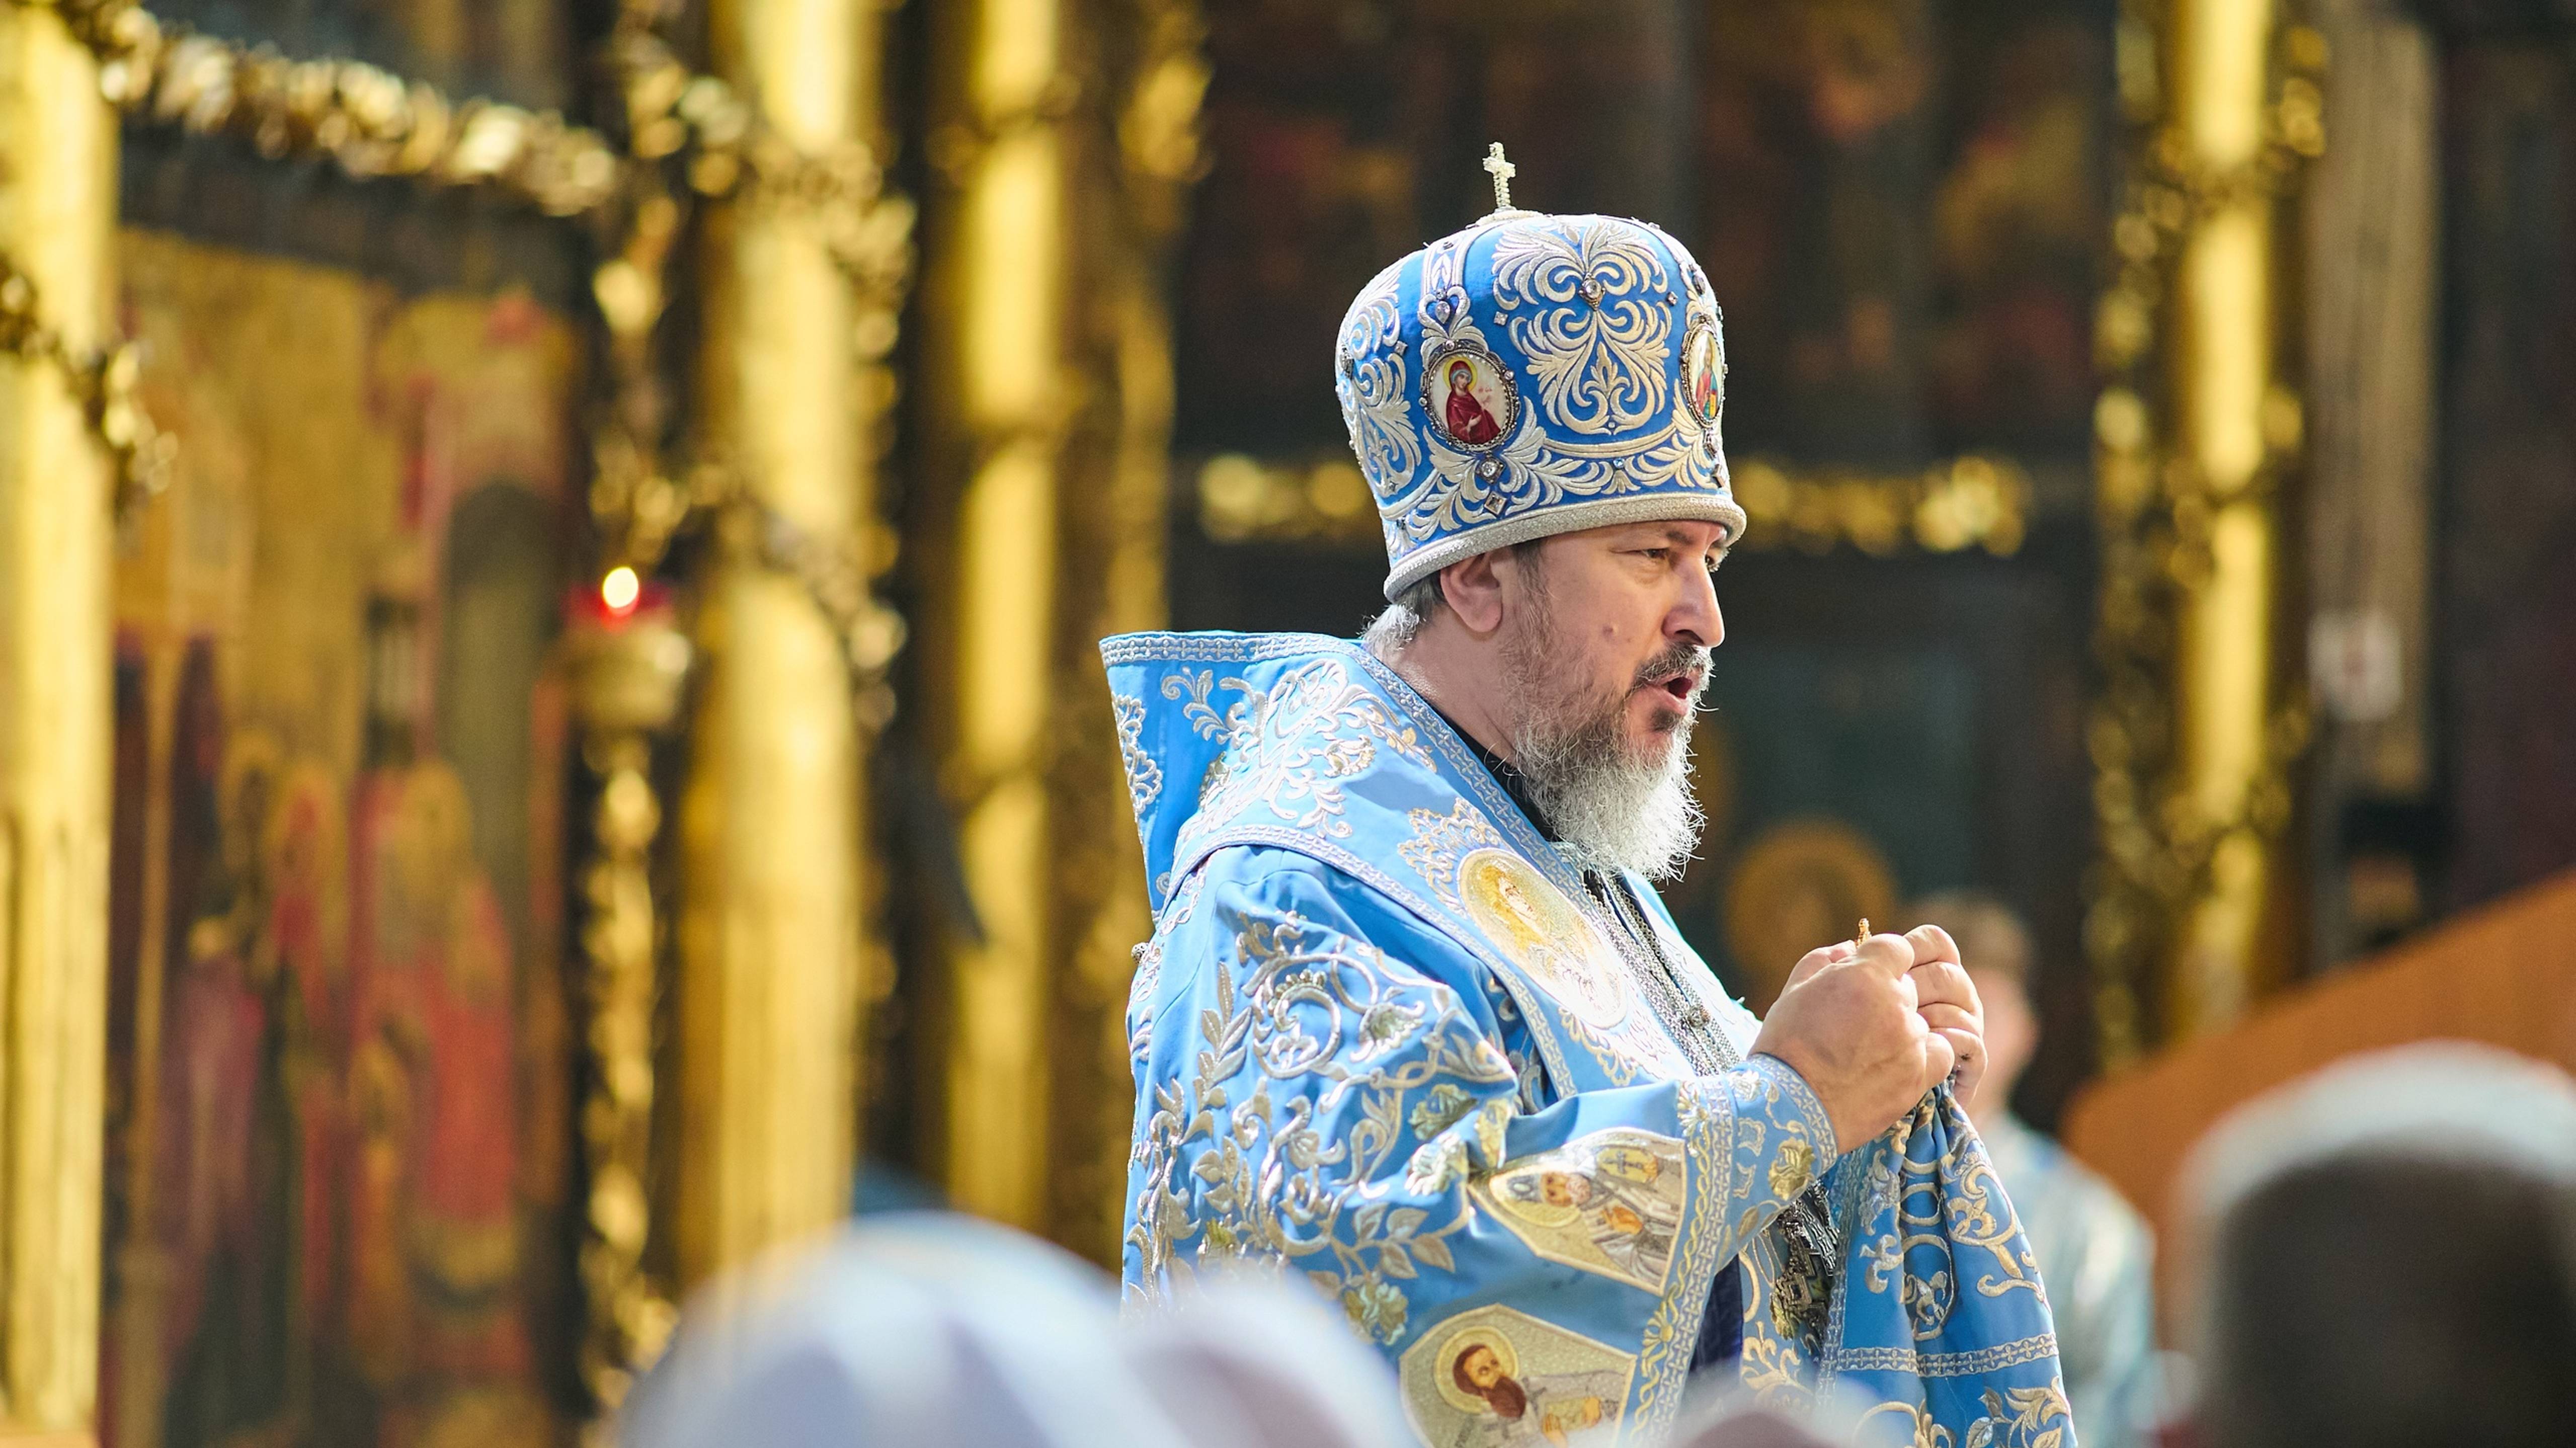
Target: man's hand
[1947, 1001]
[1850, 1022]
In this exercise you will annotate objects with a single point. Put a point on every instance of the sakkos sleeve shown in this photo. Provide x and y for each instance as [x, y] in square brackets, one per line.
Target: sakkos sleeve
[1324, 1083]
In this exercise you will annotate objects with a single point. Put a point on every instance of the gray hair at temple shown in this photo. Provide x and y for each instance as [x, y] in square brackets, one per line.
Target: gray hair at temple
[2383, 1255]
[1415, 605]
[937, 1331]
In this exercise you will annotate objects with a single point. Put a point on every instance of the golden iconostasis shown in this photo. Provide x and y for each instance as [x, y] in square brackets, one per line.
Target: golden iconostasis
[601, 735]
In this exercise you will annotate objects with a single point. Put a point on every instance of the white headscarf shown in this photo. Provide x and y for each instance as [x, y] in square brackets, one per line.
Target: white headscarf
[2451, 1103]
[940, 1331]
[2431, 1101]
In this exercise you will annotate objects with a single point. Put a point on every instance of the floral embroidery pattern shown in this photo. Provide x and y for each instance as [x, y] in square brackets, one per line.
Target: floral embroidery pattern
[1288, 747]
[1599, 336]
[2014, 1418]
[1942, 1203]
[1321, 1023]
[1144, 776]
[1149, 967]
[1376, 406]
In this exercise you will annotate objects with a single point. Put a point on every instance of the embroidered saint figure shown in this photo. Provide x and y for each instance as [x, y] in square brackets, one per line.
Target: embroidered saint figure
[1549, 1410]
[1469, 422]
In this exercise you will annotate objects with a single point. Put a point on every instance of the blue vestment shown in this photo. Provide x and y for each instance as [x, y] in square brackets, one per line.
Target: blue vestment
[2098, 1258]
[1387, 1036]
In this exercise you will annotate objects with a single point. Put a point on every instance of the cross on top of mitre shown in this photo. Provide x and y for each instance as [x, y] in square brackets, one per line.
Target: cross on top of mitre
[1502, 171]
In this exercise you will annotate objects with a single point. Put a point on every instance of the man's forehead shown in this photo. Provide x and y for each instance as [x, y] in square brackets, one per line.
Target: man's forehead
[1681, 532]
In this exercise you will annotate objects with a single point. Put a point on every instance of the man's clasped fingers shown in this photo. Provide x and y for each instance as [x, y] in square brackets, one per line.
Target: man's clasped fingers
[1891, 953]
[1946, 983]
[1931, 943]
[1967, 1037]
[1816, 960]
[1940, 1055]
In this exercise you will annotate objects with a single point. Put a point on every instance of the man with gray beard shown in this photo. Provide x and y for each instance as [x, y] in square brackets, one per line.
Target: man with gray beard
[1413, 1024]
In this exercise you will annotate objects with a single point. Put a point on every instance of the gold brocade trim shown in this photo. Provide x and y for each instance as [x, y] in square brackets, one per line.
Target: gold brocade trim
[1976, 501]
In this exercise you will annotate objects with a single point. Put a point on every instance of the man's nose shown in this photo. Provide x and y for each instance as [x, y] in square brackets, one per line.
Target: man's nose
[1696, 617]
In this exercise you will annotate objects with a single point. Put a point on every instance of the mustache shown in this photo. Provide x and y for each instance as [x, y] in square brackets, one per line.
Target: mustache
[1679, 658]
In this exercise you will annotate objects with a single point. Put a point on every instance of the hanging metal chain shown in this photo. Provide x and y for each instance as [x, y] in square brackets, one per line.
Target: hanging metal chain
[101, 382]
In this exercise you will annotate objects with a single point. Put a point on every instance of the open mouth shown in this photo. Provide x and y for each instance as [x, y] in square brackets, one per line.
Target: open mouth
[1678, 687]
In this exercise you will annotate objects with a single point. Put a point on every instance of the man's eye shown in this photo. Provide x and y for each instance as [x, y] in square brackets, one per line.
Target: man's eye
[1657, 554]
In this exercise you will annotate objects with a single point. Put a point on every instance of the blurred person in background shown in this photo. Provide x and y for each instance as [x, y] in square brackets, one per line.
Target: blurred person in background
[931, 1330]
[2383, 1255]
[2096, 1254]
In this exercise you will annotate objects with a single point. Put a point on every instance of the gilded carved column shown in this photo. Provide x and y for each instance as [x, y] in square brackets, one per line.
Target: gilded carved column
[771, 958]
[995, 346]
[1047, 417]
[57, 213]
[2196, 433]
[1139, 144]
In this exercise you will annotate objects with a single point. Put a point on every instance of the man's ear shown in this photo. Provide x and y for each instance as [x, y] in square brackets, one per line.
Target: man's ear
[1474, 590]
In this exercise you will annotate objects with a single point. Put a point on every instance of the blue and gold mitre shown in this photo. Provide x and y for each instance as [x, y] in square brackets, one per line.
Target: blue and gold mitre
[1532, 375]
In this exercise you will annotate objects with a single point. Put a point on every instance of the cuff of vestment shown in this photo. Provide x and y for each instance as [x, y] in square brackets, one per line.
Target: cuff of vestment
[1788, 1098]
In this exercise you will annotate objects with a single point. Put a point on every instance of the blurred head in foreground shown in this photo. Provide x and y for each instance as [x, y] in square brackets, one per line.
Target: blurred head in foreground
[2384, 1256]
[937, 1331]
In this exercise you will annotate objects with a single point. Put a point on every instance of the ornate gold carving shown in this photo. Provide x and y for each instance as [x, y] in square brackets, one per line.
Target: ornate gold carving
[371, 122]
[1121, 456]
[689, 127]
[100, 381]
[1244, 500]
[627, 677]
[2193, 432]
[1974, 501]
[375, 124]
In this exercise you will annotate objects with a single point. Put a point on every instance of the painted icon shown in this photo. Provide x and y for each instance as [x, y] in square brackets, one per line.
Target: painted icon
[1473, 404]
[1703, 375]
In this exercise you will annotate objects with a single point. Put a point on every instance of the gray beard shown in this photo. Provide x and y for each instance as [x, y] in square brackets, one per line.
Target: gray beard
[1603, 801]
